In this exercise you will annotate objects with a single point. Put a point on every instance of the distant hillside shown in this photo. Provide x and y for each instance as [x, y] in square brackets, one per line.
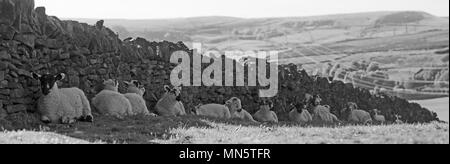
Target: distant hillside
[340, 31]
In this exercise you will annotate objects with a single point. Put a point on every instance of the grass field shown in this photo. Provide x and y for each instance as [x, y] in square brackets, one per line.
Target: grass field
[434, 133]
[30, 137]
[195, 130]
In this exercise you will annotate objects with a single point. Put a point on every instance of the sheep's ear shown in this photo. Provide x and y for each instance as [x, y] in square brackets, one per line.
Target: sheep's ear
[35, 75]
[136, 83]
[127, 83]
[60, 76]
[178, 88]
[167, 88]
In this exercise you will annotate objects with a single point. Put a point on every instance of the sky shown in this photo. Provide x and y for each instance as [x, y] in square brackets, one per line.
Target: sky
[158, 9]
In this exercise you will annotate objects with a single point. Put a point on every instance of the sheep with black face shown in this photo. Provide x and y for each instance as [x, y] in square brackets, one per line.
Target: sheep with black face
[300, 114]
[265, 114]
[61, 105]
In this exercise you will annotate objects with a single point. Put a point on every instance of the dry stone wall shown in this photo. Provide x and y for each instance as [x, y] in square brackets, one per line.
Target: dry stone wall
[30, 40]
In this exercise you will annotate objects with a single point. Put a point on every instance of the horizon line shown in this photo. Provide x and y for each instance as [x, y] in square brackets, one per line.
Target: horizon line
[275, 17]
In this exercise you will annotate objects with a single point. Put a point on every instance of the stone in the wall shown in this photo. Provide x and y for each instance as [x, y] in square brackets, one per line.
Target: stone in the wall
[27, 39]
[17, 93]
[3, 113]
[16, 108]
[3, 84]
[3, 65]
[7, 32]
[5, 92]
[4, 55]
[2, 75]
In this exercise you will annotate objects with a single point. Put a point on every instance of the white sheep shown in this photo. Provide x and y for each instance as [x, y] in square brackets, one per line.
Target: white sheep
[170, 104]
[135, 93]
[358, 116]
[265, 114]
[300, 115]
[379, 118]
[398, 119]
[236, 110]
[111, 102]
[322, 113]
[213, 110]
[65, 105]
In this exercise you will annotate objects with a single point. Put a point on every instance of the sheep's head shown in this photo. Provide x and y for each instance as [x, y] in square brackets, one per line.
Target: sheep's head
[173, 93]
[234, 104]
[266, 105]
[195, 109]
[300, 107]
[352, 106]
[111, 84]
[48, 81]
[316, 100]
[376, 111]
[135, 86]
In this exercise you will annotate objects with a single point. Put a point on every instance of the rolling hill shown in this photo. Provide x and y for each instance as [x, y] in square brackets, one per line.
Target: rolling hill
[302, 40]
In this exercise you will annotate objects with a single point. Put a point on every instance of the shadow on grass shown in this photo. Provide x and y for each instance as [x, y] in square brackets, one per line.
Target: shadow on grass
[131, 130]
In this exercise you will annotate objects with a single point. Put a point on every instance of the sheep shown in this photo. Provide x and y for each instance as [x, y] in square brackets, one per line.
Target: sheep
[300, 114]
[265, 114]
[397, 119]
[170, 104]
[235, 106]
[357, 116]
[213, 110]
[61, 105]
[378, 118]
[135, 93]
[111, 102]
[136, 87]
[322, 113]
[231, 109]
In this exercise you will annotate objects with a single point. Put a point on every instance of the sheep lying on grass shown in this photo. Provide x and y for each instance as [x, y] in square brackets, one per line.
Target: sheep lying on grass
[357, 116]
[235, 106]
[322, 114]
[231, 109]
[213, 110]
[378, 118]
[111, 102]
[300, 114]
[135, 93]
[265, 114]
[398, 119]
[170, 104]
[65, 105]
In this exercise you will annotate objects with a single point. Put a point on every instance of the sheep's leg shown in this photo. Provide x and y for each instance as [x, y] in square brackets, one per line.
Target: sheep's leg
[88, 118]
[87, 112]
[181, 108]
[67, 120]
[46, 120]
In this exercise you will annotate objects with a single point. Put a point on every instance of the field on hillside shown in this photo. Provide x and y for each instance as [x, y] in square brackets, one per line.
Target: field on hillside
[197, 130]
[440, 106]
